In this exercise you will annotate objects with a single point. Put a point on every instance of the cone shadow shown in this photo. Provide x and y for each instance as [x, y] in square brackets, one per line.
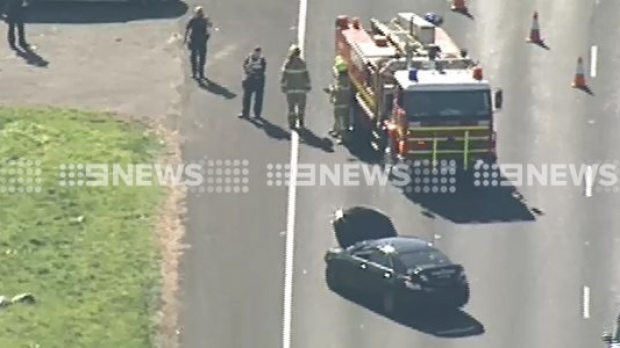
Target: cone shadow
[540, 44]
[465, 12]
[585, 89]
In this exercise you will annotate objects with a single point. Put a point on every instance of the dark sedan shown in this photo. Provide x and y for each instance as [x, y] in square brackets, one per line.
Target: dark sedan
[399, 270]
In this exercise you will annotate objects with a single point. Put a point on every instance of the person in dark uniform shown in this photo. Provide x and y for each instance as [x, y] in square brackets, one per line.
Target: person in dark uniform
[197, 34]
[15, 16]
[253, 84]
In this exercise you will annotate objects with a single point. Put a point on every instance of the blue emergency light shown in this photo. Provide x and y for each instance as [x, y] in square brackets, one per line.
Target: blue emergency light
[413, 75]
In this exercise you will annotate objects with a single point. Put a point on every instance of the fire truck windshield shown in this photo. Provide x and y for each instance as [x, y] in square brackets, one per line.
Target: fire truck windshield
[475, 104]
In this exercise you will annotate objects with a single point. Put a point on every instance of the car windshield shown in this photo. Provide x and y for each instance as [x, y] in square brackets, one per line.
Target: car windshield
[421, 258]
[436, 104]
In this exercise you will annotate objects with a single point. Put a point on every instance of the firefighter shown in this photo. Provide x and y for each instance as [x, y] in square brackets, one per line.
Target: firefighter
[295, 83]
[197, 33]
[340, 95]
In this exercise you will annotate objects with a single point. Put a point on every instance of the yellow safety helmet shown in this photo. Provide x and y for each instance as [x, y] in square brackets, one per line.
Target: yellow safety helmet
[340, 65]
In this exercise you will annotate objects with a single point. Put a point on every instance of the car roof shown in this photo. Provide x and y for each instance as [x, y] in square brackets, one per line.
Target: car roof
[402, 244]
[412, 252]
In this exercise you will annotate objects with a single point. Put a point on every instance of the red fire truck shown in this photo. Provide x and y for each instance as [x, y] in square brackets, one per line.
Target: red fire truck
[418, 96]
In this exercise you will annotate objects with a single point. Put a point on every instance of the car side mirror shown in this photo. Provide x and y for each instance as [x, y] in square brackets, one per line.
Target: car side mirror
[387, 275]
[363, 265]
[498, 99]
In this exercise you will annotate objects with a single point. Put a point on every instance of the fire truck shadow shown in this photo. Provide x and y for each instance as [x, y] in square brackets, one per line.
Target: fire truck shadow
[467, 203]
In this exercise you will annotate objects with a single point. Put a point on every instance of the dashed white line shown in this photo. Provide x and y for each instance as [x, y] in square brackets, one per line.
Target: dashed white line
[289, 251]
[589, 178]
[593, 60]
[586, 302]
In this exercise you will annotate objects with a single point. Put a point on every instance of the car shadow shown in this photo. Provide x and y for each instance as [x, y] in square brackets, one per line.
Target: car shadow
[437, 322]
[367, 223]
[215, 88]
[271, 130]
[43, 11]
[471, 201]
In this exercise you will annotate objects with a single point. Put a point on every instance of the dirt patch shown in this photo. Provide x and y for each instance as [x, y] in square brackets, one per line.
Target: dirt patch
[170, 232]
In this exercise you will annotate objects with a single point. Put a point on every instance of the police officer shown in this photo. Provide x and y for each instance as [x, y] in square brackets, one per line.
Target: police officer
[15, 17]
[295, 83]
[197, 33]
[340, 93]
[254, 67]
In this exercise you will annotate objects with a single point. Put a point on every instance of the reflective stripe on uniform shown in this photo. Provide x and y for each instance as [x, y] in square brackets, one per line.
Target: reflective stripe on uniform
[295, 71]
[296, 91]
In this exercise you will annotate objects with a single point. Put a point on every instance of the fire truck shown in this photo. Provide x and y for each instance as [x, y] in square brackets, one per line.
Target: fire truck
[418, 97]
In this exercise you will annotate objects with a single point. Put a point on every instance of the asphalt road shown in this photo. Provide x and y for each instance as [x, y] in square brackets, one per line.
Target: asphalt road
[232, 273]
[528, 258]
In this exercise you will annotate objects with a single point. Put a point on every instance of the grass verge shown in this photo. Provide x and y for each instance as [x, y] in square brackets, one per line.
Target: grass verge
[89, 255]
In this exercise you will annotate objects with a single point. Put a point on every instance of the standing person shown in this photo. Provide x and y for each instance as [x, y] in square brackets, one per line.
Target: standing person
[340, 93]
[197, 33]
[15, 14]
[295, 83]
[254, 67]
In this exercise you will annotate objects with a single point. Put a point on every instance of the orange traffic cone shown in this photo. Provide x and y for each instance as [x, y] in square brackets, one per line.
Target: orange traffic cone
[458, 5]
[580, 78]
[535, 31]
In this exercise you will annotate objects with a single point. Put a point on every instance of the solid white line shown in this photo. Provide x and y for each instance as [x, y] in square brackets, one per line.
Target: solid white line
[593, 58]
[289, 251]
[588, 181]
[586, 302]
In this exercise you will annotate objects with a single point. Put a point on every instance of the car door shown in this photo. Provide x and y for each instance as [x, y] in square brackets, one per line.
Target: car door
[357, 274]
[380, 272]
[371, 270]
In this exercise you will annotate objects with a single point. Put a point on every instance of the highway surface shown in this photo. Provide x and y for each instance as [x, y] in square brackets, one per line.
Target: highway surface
[542, 267]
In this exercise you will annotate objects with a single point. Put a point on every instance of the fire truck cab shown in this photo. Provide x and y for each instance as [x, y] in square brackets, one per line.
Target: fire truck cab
[420, 97]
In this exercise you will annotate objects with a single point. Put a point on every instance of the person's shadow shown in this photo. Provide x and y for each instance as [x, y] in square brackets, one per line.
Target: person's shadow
[30, 56]
[273, 131]
[215, 88]
[309, 138]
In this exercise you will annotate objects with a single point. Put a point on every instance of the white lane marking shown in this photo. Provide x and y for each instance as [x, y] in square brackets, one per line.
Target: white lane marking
[593, 58]
[287, 320]
[586, 302]
[588, 181]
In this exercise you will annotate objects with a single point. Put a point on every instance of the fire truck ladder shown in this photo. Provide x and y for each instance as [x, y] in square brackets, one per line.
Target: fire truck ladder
[397, 35]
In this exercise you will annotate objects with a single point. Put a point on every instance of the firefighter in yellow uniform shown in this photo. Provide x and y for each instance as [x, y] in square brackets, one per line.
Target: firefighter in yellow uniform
[295, 83]
[340, 95]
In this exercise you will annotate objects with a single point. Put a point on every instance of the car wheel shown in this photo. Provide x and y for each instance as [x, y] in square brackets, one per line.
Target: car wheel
[331, 278]
[389, 303]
